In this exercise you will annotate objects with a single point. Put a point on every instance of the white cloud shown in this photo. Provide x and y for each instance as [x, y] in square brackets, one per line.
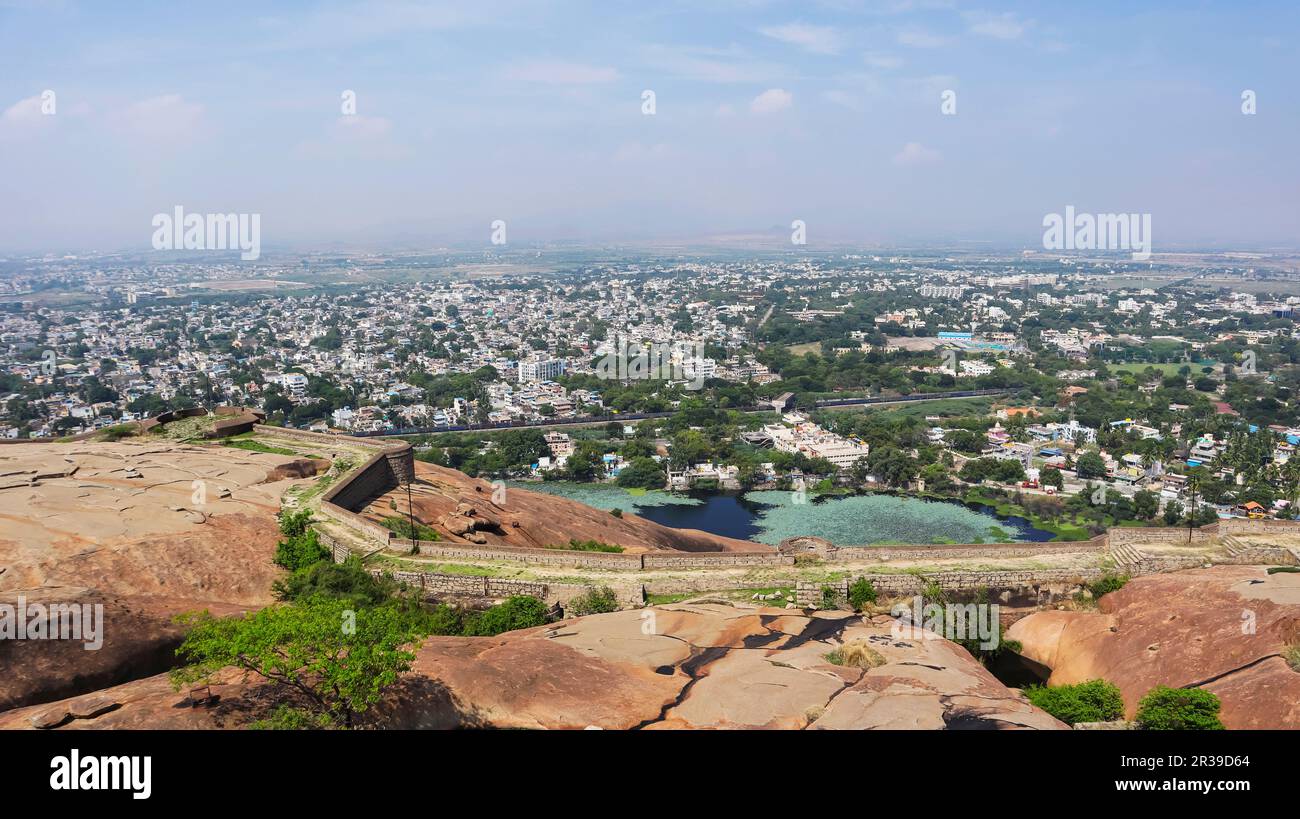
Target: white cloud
[23, 112]
[843, 98]
[920, 38]
[710, 65]
[931, 85]
[163, 117]
[885, 61]
[771, 101]
[817, 39]
[914, 153]
[24, 119]
[1005, 26]
[559, 72]
[330, 26]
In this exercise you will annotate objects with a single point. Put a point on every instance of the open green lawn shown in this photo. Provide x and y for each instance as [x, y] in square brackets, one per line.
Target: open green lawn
[807, 347]
[1137, 368]
[257, 446]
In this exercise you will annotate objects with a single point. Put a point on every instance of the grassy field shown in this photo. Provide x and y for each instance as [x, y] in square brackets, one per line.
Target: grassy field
[1137, 368]
[186, 429]
[257, 446]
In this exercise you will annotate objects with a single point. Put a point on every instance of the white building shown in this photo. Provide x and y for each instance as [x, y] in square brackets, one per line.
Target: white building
[540, 370]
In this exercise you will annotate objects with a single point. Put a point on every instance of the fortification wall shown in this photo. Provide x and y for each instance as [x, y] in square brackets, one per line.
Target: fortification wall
[1156, 564]
[380, 535]
[610, 561]
[1248, 526]
[382, 471]
[1178, 534]
[959, 551]
[1124, 535]
[373, 477]
[1061, 581]
[705, 560]
[440, 587]
[1250, 554]
[563, 558]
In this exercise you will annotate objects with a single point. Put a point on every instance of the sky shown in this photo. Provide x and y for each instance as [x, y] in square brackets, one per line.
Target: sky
[534, 113]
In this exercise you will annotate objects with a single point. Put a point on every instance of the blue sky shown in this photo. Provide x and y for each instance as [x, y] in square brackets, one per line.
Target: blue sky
[766, 112]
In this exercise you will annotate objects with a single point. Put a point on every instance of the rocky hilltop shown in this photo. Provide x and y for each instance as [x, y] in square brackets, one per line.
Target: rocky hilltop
[1222, 629]
[151, 527]
[678, 666]
[148, 530]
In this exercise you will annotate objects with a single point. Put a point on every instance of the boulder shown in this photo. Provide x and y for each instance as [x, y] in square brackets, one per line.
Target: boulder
[458, 525]
[702, 666]
[1223, 629]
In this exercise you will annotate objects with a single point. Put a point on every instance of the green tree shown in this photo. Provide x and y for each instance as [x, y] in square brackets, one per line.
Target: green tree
[299, 551]
[1051, 476]
[862, 593]
[338, 659]
[643, 473]
[348, 581]
[515, 613]
[596, 601]
[1146, 505]
[585, 463]
[1091, 701]
[1179, 709]
[1089, 466]
[893, 466]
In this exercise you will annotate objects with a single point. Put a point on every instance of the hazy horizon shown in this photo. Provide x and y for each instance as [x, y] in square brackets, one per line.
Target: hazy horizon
[764, 113]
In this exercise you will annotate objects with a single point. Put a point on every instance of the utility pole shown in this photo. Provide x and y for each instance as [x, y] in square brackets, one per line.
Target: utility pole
[410, 511]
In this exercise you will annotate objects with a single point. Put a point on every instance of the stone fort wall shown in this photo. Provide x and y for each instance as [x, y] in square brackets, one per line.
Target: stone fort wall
[1052, 582]
[389, 466]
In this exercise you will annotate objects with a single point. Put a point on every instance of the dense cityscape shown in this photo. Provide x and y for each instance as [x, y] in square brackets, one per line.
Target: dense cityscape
[1136, 377]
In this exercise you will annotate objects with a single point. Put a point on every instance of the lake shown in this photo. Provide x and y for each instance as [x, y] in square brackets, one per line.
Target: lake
[770, 516]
